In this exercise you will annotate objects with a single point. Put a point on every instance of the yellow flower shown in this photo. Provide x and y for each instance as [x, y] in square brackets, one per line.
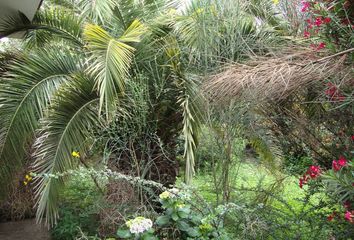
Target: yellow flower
[75, 154]
[25, 183]
[164, 195]
[276, 2]
[28, 178]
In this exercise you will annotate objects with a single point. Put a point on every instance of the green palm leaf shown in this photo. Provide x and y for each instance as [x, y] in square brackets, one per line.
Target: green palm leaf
[25, 92]
[58, 22]
[99, 11]
[71, 116]
[190, 103]
[110, 61]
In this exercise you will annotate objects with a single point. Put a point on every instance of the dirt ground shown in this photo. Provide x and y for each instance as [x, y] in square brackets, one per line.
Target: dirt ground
[26, 229]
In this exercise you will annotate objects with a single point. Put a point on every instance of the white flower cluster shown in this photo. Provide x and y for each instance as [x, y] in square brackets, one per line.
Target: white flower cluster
[139, 225]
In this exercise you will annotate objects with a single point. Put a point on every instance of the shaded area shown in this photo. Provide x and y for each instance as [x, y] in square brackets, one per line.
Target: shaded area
[26, 229]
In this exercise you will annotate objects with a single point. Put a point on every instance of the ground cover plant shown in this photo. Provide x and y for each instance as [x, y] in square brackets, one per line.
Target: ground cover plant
[166, 119]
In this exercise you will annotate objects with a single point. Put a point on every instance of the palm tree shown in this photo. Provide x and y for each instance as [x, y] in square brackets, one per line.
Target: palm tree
[52, 96]
[84, 65]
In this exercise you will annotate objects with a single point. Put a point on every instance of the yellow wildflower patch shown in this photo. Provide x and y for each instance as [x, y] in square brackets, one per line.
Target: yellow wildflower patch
[75, 154]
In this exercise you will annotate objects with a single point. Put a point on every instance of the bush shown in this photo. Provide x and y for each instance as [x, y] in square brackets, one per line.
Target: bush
[78, 209]
[297, 165]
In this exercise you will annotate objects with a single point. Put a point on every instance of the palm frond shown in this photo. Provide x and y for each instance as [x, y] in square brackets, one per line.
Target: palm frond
[99, 11]
[190, 103]
[71, 116]
[110, 61]
[25, 92]
[50, 22]
[13, 23]
[61, 23]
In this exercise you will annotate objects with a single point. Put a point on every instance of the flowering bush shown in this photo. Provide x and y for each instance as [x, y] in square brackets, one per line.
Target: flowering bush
[331, 23]
[338, 183]
[179, 220]
[139, 228]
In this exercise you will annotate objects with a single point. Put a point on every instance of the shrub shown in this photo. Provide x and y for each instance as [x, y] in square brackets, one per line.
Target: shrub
[78, 209]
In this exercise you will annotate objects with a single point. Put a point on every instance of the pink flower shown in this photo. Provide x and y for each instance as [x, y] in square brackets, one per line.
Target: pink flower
[305, 6]
[307, 34]
[348, 216]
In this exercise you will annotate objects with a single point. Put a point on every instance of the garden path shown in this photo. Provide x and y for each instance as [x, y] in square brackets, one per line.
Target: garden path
[26, 229]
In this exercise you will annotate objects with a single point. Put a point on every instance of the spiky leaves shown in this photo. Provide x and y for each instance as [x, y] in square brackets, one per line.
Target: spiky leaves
[110, 61]
[13, 24]
[97, 10]
[60, 23]
[25, 92]
[71, 116]
[190, 103]
[49, 23]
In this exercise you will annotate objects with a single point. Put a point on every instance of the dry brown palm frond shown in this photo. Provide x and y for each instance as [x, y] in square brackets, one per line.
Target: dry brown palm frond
[276, 77]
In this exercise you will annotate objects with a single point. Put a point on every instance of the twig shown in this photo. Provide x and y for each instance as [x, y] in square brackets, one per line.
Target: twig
[334, 55]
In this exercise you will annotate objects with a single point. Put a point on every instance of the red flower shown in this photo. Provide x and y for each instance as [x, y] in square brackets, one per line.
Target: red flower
[307, 34]
[327, 20]
[346, 204]
[318, 21]
[332, 89]
[335, 166]
[312, 172]
[342, 161]
[305, 6]
[301, 182]
[338, 165]
[353, 137]
[330, 218]
[321, 45]
[309, 21]
[345, 21]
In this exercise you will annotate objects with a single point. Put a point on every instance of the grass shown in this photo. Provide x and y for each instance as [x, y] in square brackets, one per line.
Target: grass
[252, 176]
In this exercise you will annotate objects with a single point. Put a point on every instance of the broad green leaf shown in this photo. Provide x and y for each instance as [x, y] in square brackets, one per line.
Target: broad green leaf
[162, 220]
[124, 233]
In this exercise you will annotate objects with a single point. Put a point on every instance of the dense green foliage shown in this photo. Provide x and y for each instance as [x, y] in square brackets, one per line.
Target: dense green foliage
[109, 104]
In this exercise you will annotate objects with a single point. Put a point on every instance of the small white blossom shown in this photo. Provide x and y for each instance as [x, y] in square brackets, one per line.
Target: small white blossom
[139, 225]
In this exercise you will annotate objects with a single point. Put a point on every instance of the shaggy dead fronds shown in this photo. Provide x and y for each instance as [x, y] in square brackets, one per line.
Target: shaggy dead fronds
[275, 77]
